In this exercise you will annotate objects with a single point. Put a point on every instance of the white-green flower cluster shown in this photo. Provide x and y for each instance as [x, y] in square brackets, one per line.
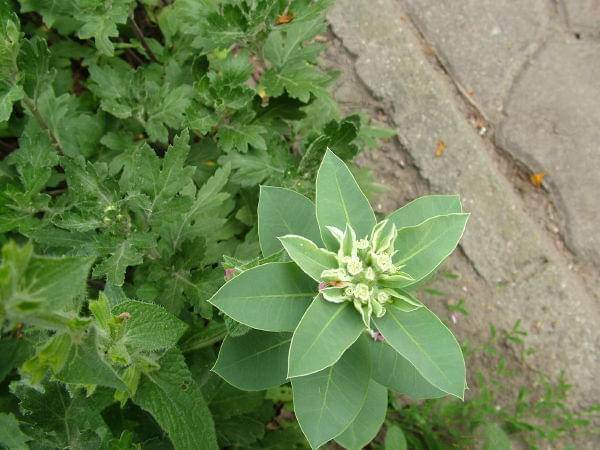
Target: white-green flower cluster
[366, 274]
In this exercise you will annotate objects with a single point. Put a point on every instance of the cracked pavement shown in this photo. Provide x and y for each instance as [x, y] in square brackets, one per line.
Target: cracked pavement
[510, 88]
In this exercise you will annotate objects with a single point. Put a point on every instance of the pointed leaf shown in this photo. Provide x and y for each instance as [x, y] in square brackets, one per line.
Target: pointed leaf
[310, 258]
[11, 436]
[423, 247]
[369, 419]
[271, 297]
[340, 201]
[322, 336]
[327, 402]
[423, 208]
[282, 211]
[392, 370]
[175, 401]
[255, 361]
[422, 339]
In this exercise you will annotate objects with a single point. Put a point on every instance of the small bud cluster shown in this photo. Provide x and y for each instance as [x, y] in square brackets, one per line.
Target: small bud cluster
[364, 265]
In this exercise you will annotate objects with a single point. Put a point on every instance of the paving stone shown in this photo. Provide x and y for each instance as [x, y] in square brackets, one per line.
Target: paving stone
[482, 43]
[583, 15]
[553, 125]
[505, 246]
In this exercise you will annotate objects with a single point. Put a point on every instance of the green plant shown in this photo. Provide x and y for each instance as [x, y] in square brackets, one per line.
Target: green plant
[312, 319]
[133, 138]
[501, 408]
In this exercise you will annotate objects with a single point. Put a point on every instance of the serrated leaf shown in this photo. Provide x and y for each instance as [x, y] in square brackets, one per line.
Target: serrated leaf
[271, 297]
[327, 402]
[426, 343]
[368, 421]
[149, 327]
[340, 201]
[255, 361]
[168, 392]
[240, 137]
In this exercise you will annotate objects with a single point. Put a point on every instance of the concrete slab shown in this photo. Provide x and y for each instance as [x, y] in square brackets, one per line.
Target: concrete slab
[553, 124]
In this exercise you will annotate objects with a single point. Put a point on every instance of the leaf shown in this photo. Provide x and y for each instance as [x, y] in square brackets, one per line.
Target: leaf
[282, 211]
[495, 438]
[423, 208]
[86, 365]
[11, 436]
[129, 252]
[422, 248]
[271, 297]
[394, 439]
[149, 327]
[70, 419]
[322, 336]
[326, 402]
[300, 80]
[426, 343]
[310, 258]
[240, 137]
[392, 370]
[369, 420]
[175, 401]
[255, 361]
[32, 283]
[340, 201]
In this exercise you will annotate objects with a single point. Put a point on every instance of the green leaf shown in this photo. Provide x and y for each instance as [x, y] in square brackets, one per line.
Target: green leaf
[310, 258]
[85, 364]
[30, 283]
[240, 137]
[392, 370]
[282, 211]
[255, 361]
[422, 248]
[327, 402]
[11, 436]
[175, 401]
[495, 438]
[394, 439]
[70, 419]
[149, 327]
[322, 336]
[422, 339]
[423, 208]
[271, 297]
[300, 80]
[340, 201]
[369, 420]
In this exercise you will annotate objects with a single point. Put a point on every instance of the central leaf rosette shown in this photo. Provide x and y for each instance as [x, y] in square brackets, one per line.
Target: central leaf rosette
[365, 272]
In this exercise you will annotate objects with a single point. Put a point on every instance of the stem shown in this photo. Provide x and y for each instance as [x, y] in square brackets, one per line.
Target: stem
[140, 35]
[204, 338]
[32, 107]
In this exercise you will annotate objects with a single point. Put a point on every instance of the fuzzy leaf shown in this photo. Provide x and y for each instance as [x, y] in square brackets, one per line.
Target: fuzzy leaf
[11, 436]
[423, 208]
[310, 258]
[175, 401]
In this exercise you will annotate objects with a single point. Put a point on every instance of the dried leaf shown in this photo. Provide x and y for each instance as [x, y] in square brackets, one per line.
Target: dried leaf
[440, 148]
[284, 18]
[537, 179]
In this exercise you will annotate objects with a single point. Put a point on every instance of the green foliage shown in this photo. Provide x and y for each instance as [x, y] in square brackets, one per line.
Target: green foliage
[341, 303]
[134, 136]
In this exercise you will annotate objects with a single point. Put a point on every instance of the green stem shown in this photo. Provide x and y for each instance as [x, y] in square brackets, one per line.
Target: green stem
[142, 38]
[204, 338]
[32, 107]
